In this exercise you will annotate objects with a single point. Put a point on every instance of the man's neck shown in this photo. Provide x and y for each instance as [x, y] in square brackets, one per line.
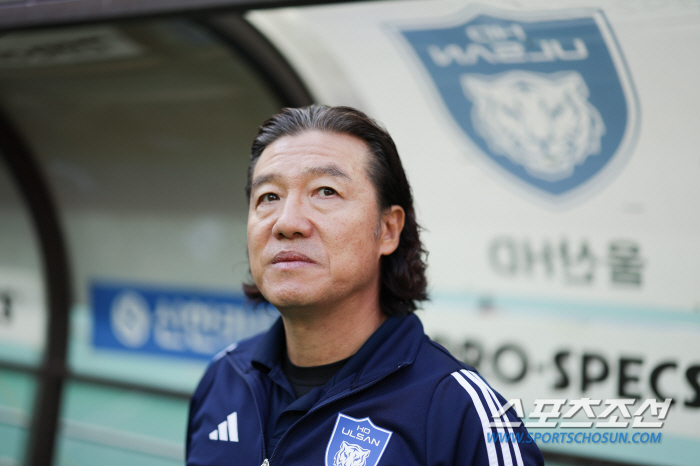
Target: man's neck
[320, 338]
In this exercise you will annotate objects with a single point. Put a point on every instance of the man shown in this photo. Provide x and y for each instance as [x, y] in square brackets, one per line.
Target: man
[346, 377]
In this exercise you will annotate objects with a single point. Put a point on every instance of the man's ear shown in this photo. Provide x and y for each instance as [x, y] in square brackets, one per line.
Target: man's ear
[392, 225]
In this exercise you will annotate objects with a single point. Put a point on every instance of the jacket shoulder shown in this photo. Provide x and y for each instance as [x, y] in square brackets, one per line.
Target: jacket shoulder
[461, 415]
[241, 351]
[215, 390]
[440, 361]
[467, 413]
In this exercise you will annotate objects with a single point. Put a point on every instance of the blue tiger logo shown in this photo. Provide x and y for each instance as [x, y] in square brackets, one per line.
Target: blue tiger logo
[350, 455]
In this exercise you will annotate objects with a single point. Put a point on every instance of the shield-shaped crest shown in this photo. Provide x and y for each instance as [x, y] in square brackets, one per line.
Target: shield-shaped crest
[545, 97]
[356, 442]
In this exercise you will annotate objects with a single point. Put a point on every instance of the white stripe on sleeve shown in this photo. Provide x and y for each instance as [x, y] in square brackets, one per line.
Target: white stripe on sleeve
[491, 399]
[483, 417]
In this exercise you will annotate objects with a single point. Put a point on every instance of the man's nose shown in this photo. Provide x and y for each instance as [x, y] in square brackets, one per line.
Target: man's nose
[293, 221]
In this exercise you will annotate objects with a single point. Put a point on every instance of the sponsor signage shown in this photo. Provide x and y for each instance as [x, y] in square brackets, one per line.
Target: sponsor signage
[551, 352]
[167, 321]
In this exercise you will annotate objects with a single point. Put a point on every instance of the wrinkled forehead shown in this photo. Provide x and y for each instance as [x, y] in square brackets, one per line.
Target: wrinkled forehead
[317, 152]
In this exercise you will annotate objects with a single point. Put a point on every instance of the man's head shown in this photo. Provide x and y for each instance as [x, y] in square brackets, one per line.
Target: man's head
[299, 149]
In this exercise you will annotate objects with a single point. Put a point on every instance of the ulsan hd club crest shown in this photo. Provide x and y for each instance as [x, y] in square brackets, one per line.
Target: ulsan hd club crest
[356, 442]
[543, 97]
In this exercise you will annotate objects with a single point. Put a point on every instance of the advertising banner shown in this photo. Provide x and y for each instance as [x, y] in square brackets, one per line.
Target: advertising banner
[170, 321]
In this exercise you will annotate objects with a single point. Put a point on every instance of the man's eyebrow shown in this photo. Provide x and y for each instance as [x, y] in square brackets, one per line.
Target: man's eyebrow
[332, 170]
[262, 180]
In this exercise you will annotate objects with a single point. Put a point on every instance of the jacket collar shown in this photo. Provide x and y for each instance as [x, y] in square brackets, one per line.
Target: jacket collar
[270, 351]
[393, 345]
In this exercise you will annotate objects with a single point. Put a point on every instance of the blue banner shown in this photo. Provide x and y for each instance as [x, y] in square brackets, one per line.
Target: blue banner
[170, 321]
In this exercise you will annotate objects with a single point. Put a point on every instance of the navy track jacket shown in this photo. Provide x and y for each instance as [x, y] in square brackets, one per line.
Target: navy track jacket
[401, 400]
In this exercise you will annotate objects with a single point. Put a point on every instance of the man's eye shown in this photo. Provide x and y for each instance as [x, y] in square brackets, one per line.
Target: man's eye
[267, 197]
[327, 192]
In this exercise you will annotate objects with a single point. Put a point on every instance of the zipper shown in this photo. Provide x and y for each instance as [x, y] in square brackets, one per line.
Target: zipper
[326, 403]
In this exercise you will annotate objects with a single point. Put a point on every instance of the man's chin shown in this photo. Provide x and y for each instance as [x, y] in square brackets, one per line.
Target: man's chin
[291, 299]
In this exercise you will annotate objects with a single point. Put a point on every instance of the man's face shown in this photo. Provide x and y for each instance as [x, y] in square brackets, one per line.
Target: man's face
[315, 235]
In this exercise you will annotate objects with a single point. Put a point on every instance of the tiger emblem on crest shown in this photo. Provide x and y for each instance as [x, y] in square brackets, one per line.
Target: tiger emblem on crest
[350, 455]
[543, 122]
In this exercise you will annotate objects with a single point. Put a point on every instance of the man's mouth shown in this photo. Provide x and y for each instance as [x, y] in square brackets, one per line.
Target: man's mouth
[290, 256]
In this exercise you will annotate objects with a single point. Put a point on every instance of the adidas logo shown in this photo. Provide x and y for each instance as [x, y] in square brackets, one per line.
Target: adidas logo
[227, 430]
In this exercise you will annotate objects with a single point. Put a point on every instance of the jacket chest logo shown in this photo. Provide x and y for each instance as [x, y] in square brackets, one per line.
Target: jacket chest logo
[356, 442]
[226, 431]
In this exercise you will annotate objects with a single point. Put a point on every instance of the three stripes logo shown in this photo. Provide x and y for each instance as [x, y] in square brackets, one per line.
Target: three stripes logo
[227, 431]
